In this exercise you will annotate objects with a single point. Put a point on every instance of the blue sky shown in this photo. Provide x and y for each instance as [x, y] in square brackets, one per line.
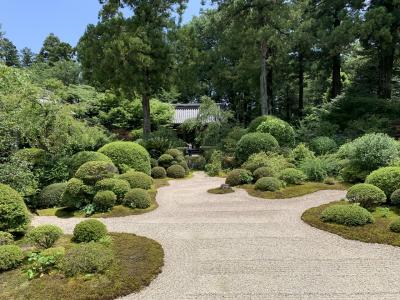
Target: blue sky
[27, 23]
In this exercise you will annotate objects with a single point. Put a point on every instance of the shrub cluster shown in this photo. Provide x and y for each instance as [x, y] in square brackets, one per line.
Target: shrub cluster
[367, 195]
[254, 143]
[45, 236]
[165, 160]
[292, 176]
[137, 179]
[273, 161]
[137, 198]
[349, 215]
[271, 184]
[158, 172]
[89, 230]
[262, 172]
[314, 169]
[301, 153]
[238, 177]
[11, 256]
[118, 186]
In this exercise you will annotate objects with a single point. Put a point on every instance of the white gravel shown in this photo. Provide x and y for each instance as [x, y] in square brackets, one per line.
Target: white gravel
[235, 246]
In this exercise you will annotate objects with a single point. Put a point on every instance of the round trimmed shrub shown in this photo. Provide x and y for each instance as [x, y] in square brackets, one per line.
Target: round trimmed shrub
[395, 197]
[158, 172]
[395, 226]
[271, 184]
[254, 143]
[118, 186]
[176, 171]
[367, 195]
[74, 194]
[6, 238]
[184, 165]
[92, 171]
[387, 179]
[14, 215]
[255, 123]
[89, 230]
[131, 154]
[104, 201]
[165, 160]
[137, 179]
[323, 145]
[349, 215]
[238, 177]
[11, 256]
[279, 129]
[301, 153]
[82, 157]
[314, 168]
[292, 176]
[137, 198]
[262, 172]
[51, 195]
[90, 258]
[45, 236]
[175, 153]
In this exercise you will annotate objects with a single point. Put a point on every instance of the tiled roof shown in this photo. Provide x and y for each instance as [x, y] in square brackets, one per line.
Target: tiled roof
[185, 112]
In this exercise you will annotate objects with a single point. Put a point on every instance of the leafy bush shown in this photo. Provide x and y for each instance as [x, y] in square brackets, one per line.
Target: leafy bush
[165, 160]
[128, 153]
[14, 215]
[215, 165]
[254, 143]
[395, 226]
[238, 177]
[176, 171]
[89, 230]
[175, 153]
[90, 258]
[273, 161]
[292, 176]
[367, 195]
[118, 186]
[262, 172]
[153, 162]
[51, 195]
[137, 179]
[137, 198]
[196, 162]
[104, 200]
[323, 145]
[387, 179]
[353, 173]
[45, 236]
[33, 156]
[6, 238]
[92, 171]
[279, 129]
[315, 169]
[255, 123]
[268, 184]
[10, 257]
[301, 153]
[333, 164]
[74, 194]
[349, 215]
[395, 197]
[158, 172]
[82, 157]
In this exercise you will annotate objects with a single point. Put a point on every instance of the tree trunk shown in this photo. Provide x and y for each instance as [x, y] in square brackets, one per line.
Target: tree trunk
[385, 73]
[263, 79]
[301, 85]
[146, 114]
[269, 90]
[336, 79]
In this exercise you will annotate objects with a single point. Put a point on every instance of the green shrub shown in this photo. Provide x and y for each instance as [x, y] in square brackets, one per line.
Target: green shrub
[153, 162]
[292, 176]
[104, 200]
[51, 195]
[175, 153]
[165, 160]
[349, 215]
[262, 172]
[118, 186]
[255, 123]
[128, 153]
[89, 230]
[254, 143]
[93, 171]
[14, 215]
[45, 236]
[6, 238]
[387, 179]
[367, 195]
[301, 153]
[137, 198]
[196, 162]
[158, 172]
[395, 226]
[137, 180]
[90, 258]
[333, 164]
[279, 129]
[273, 161]
[33, 156]
[176, 171]
[214, 168]
[323, 145]
[271, 184]
[395, 197]
[11, 256]
[238, 177]
[82, 157]
[184, 165]
[353, 173]
[74, 195]
[315, 169]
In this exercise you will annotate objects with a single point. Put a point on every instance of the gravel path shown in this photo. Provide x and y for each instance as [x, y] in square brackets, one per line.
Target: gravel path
[238, 247]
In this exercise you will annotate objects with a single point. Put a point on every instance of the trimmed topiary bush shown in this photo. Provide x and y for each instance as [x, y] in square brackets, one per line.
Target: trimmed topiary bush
[89, 230]
[14, 215]
[165, 160]
[158, 172]
[367, 195]
[301, 153]
[292, 176]
[279, 129]
[104, 201]
[45, 236]
[387, 179]
[137, 198]
[176, 171]
[349, 215]
[6, 238]
[262, 172]
[238, 177]
[395, 197]
[51, 195]
[323, 145]
[118, 186]
[93, 171]
[137, 179]
[395, 226]
[271, 184]
[255, 123]
[175, 153]
[254, 143]
[131, 154]
[315, 169]
[184, 165]
[82, 157]
[74, 194]
[11, 256]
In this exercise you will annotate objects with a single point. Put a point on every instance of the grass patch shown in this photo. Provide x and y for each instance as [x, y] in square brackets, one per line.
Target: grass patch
[220, 191]
[377, 232]
[293, 190]
[139, 261]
